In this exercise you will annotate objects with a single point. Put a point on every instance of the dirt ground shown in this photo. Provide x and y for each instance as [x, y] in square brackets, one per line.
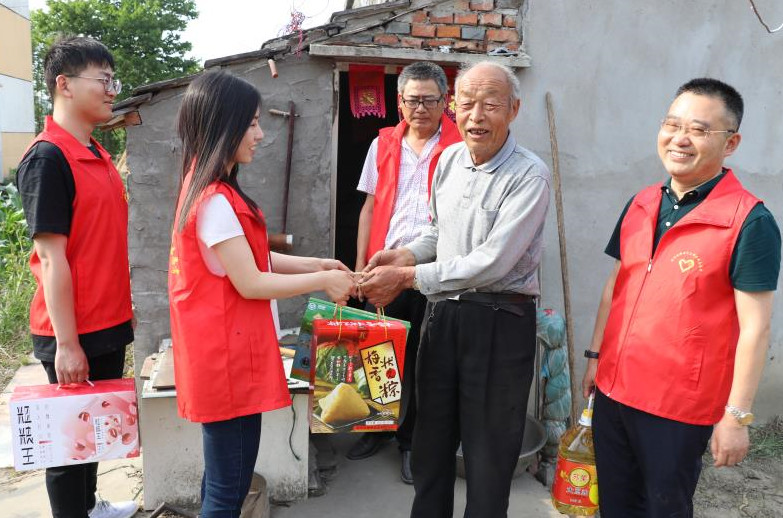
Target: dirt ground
[752, 489]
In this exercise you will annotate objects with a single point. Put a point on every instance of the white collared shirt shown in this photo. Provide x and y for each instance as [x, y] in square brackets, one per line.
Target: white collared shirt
[410, 214]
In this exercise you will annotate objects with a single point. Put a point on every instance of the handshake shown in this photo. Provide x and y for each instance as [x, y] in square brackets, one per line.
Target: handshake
[388, 273]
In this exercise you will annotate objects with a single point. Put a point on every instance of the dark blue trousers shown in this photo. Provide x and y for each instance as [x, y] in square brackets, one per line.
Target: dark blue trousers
[230, 451]
[647, 466]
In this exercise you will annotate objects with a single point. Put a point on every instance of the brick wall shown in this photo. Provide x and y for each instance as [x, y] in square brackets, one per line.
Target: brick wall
[475, 26]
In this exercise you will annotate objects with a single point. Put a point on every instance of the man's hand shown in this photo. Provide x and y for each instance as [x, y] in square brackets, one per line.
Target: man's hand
[70, 364]
[396, 257]
[730, 442]
[588, 380]
[384, 283]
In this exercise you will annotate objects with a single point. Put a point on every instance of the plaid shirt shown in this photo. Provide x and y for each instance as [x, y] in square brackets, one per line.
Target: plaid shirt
[411, 207]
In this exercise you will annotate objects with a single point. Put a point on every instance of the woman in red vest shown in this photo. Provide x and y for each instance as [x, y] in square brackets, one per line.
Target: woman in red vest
[222, 284]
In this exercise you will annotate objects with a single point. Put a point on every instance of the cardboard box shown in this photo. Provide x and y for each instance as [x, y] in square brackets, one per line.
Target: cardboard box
[57, 426]
[322, 309]
[357, 375]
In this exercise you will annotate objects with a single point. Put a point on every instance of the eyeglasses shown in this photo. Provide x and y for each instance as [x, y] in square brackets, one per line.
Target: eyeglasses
[414, 103]
[109, 84]
[672, 128]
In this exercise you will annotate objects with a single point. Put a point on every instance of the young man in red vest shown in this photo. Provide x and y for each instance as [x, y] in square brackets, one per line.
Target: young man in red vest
[397, 176]
[683, 324]
[77, 211]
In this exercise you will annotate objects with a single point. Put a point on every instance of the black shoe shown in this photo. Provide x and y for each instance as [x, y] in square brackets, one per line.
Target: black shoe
[315, 484]
[368, 445]
[405, 471]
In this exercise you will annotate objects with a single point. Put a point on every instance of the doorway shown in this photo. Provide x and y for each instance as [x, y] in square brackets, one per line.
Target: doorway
[354, 138]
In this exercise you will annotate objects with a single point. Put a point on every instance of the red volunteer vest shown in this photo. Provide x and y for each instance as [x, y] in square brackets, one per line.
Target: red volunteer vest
[226, 357]
[672, 331]
[97, 249]
[388, 163]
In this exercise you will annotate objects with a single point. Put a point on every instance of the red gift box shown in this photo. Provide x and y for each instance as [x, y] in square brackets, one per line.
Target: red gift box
[356, 372]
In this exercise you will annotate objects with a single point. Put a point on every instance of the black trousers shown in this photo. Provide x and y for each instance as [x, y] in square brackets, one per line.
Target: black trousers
[647, 466]
[72, 488]
[473, 376]
[410, 306]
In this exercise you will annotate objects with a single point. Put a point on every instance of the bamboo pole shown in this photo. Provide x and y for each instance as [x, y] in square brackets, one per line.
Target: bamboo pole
[563, 258]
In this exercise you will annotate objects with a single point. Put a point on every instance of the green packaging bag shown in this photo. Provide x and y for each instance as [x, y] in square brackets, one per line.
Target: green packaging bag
[317, 308]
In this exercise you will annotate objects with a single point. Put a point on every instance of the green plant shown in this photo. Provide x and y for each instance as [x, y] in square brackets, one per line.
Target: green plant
[16, 283]
[767, 441]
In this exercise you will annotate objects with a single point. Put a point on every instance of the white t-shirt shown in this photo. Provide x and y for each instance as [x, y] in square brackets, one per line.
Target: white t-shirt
[216, 222]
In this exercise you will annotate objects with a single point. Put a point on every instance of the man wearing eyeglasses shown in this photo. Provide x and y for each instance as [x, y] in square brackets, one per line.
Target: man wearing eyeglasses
[683, 324]
[77, 212]
[396, 178]
[477, 263]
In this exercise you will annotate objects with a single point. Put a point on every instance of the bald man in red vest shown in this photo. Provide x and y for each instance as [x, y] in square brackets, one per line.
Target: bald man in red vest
[396, 177]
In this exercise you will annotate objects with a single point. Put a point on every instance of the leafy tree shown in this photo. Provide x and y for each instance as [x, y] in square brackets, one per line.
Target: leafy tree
[143, 35]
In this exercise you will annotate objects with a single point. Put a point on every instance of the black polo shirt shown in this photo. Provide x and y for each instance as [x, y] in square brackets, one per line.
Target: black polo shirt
[755, 260]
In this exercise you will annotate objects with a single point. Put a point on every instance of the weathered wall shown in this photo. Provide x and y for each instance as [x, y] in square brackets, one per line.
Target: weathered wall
[153, 159]
[612, 67]
[459, 25]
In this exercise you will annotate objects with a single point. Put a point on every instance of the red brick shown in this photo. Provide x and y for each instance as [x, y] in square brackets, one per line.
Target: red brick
[491, 19]
[441, 17]
[504, 35]
[482, 5]
[508, 46]
[423, 30]
[419, 16]
[438, 43]
[469, 45]
[462, 5]
[411, 43]
[466, 18]
[448, 31]
[509, 21]
[386, 39]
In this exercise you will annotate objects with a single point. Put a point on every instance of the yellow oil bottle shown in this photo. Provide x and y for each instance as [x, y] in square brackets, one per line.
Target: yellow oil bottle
[575, 485]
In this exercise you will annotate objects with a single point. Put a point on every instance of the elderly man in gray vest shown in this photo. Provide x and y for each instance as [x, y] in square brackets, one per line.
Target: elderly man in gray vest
[476, 263]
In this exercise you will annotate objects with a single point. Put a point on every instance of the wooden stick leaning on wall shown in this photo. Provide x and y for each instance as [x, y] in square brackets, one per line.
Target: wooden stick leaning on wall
[563, 257]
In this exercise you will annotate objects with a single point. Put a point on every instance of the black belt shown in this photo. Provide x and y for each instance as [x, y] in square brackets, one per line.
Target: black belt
[495, 298]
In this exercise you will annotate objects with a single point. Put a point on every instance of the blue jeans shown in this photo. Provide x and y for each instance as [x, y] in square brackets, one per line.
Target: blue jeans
[230, 451]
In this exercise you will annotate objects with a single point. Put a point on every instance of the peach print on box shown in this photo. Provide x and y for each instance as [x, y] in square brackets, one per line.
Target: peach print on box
[54, 426]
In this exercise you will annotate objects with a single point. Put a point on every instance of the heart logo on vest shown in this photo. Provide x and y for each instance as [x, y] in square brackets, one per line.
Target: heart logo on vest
[686, 264]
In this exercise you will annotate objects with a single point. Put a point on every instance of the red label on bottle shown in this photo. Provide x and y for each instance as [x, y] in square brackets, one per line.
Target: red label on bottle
[575, 484]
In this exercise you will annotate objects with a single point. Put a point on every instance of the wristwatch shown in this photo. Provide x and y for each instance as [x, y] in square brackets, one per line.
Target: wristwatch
[742, 417]
[591, 354]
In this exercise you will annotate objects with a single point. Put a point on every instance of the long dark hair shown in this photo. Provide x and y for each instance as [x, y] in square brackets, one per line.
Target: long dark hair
[215, 113]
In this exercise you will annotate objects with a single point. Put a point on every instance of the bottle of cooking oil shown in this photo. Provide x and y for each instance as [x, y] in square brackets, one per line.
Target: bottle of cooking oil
[575, 487]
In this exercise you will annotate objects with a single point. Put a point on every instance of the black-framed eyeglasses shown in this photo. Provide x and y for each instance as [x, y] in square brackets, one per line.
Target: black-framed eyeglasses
[673, 128]
[428, 103]
[109, 84]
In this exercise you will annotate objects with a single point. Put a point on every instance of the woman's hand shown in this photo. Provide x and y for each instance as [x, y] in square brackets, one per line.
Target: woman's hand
[339, 285]
[332, 264]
